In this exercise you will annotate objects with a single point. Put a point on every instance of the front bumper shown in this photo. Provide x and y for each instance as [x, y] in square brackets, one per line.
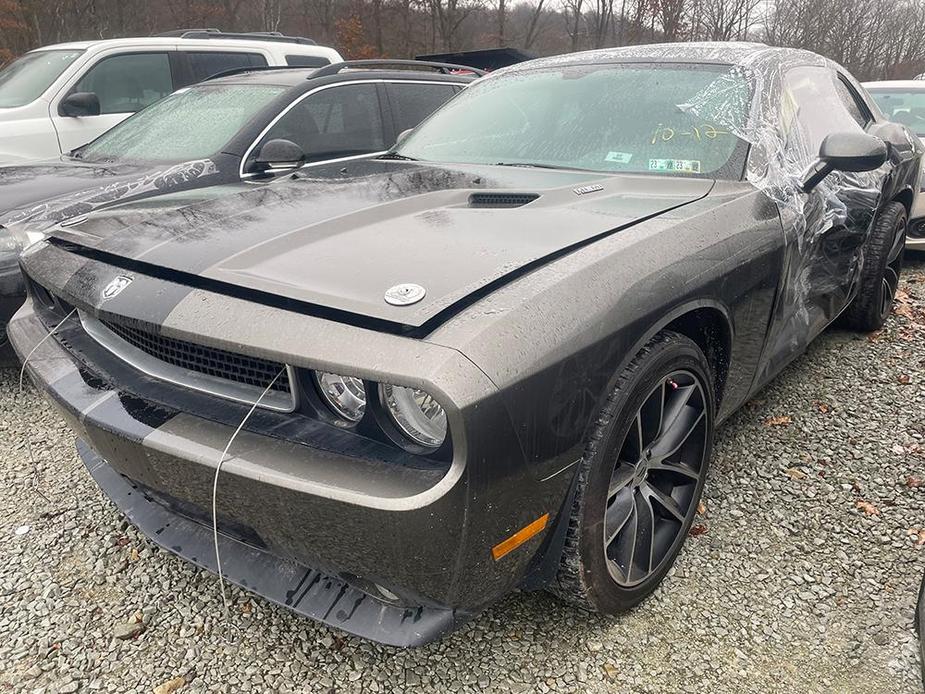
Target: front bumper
[302, 589]
[12, 290]
[300, 500]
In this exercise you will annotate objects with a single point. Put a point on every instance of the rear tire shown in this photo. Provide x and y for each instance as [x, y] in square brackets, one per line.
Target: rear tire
[641, 478]
[883, 260]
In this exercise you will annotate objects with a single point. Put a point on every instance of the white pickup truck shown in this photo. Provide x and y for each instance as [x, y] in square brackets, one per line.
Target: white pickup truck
[57, 98]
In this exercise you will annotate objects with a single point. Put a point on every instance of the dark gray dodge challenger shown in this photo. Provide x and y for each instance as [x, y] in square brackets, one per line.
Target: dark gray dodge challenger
[493, 358]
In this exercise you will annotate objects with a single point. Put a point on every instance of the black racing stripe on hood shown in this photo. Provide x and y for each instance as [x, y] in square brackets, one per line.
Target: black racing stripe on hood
[229, 289]
[334, 314]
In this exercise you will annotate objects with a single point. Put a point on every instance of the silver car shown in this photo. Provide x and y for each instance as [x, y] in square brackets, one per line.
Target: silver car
[903, 101]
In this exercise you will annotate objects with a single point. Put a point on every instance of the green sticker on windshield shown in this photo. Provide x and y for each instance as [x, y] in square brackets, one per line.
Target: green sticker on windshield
[682, 165]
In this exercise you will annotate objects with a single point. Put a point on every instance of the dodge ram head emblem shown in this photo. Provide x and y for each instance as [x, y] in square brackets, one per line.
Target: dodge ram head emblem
[114, 288]
[404, 294]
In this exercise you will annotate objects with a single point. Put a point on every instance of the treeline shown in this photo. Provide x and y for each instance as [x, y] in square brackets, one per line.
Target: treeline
[875, 39]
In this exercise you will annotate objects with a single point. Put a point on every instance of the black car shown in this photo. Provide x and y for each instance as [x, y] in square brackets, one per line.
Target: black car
[391, 391]
[246, 127]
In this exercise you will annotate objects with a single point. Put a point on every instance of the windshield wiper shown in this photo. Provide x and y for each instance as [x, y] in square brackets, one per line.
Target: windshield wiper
[528, 165]
[397, 156]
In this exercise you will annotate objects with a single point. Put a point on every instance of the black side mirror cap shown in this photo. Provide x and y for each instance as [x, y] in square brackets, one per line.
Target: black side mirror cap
[851, 152]
[278, 155]
[80, 104]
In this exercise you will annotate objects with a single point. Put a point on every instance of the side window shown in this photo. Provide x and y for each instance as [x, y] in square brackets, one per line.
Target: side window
[127, 83]
[335, 122]
[814, 108]
[412, 103]
[306, 61]
[205, 64]
[851, 102]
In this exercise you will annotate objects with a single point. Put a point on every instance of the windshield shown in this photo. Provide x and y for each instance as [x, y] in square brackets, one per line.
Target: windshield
[25, 80]
[906, 106]
[189, 124]
[610, 118]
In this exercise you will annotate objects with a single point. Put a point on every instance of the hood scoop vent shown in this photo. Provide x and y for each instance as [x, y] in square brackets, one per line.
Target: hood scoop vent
[501, 200]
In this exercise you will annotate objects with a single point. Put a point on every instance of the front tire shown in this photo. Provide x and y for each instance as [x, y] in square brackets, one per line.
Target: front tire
[883, 261]
[641, 478]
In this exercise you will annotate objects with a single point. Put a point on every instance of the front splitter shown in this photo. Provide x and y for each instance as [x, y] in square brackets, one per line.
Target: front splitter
[304, 590]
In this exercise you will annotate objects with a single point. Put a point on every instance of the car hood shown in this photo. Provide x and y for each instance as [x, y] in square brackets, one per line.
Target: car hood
[340, 239]
[64, 187]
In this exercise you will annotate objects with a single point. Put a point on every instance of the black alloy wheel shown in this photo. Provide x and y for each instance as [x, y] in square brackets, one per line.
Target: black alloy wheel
[640, 481]
[881, 266]
[655, 478]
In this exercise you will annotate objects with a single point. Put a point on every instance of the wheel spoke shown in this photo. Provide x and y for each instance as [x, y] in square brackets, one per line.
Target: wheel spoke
[665, 501]
[679, 468]
[645, 530]
[652, 416]
[681, 429]
[622, 476]
[886, 296]
[898, 245]
[617, 514]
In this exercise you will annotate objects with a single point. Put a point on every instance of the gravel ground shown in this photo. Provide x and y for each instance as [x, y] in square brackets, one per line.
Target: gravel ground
[802, 574]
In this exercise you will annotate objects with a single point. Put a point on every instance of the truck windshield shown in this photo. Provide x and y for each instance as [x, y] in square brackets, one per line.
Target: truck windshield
[192, 123]
[25, 80]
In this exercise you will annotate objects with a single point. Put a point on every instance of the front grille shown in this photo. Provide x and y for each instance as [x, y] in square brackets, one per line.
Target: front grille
[217, 363]
[496, 200]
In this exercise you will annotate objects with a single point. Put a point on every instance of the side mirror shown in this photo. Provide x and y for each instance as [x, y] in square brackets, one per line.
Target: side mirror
[402, 135]
[80, 104]
[279, 155]
[851, 152]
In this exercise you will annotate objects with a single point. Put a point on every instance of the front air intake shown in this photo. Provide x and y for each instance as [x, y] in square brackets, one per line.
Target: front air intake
[501, 200]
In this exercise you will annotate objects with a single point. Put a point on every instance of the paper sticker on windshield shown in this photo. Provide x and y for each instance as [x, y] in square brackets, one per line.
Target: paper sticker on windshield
[682, 165]
[619, 157]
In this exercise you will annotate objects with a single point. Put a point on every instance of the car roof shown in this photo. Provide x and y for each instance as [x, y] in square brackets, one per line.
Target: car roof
[894, 84]
[165, 41]
[709, 52]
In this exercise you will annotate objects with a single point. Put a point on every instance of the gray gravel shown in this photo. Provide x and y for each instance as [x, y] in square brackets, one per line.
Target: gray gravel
[802, 577]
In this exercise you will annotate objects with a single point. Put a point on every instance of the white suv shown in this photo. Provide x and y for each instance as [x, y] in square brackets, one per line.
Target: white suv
[60, 97]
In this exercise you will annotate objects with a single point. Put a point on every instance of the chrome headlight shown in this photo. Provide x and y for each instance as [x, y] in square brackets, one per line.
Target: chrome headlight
[415, 412]
[345, 395]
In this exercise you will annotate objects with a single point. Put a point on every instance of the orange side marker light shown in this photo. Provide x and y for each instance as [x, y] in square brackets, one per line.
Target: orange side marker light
[517, 539]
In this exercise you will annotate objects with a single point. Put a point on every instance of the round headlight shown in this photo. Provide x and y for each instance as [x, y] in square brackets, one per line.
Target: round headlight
[345, 395]
[415, 413]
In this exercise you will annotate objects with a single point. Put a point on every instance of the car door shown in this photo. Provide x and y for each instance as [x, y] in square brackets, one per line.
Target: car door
[824, 229]
[335, 122]
[124, 83]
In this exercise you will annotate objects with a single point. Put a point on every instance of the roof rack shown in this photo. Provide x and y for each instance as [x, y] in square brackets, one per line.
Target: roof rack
[250, 36]
[444, 68]
[257, 68]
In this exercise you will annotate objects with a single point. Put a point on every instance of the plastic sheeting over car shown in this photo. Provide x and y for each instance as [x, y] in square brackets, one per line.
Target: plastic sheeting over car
[794, 98]
[166, 179]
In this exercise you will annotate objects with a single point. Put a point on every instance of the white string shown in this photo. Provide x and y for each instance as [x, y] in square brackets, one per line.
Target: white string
[22, 372]
[218, 469]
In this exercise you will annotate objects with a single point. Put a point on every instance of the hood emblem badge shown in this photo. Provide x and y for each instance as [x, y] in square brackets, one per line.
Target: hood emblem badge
[584, 190]
[115, 287]
[404, 294]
